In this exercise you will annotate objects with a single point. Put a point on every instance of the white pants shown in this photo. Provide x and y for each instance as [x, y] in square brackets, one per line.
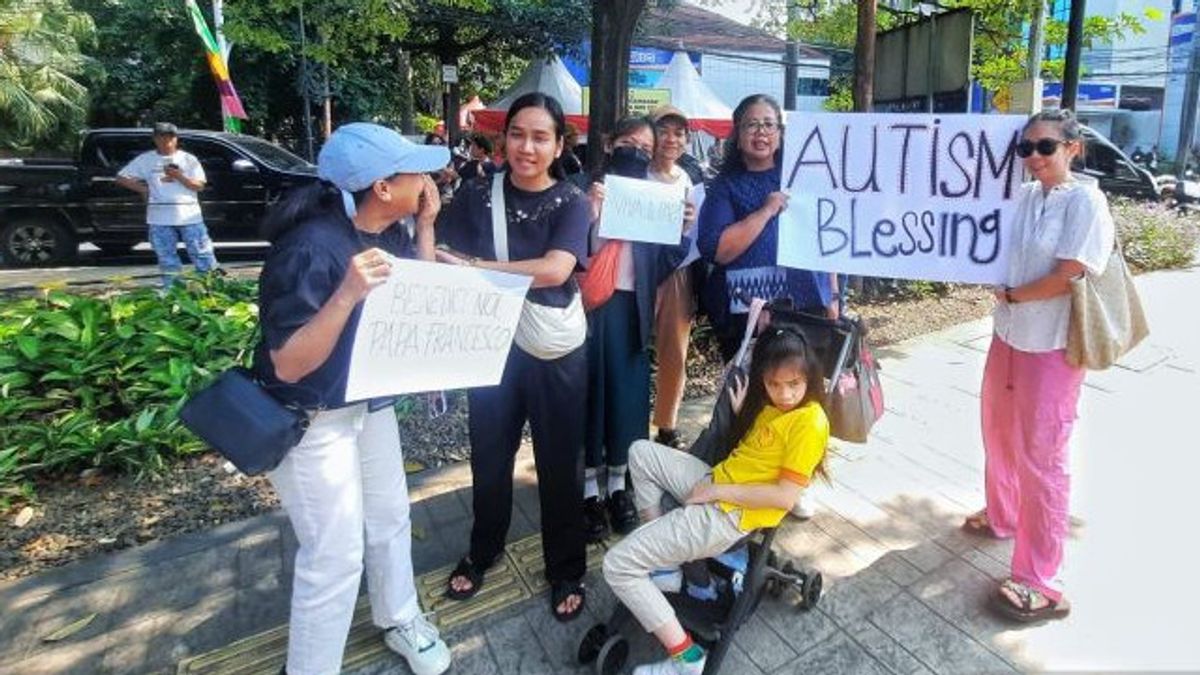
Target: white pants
[344, 491]
[690, 532]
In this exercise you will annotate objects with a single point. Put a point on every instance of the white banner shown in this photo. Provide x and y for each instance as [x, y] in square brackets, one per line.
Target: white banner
[900, 195]
[434, 326]
[642, 210]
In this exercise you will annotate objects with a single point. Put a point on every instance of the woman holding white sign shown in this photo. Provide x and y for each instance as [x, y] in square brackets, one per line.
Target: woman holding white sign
[739, 229]
[528, 220]
[1062, 229]
[343, 486]
[619, 334]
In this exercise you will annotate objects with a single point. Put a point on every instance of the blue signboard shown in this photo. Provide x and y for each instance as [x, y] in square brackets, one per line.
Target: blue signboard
[646, 65]
[1089, 94]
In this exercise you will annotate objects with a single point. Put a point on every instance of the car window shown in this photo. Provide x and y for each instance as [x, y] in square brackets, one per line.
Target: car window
[213, 157]
[112, 153]
[1101, 158]
[272, 155]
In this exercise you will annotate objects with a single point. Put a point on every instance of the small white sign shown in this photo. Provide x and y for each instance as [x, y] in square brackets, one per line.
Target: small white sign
[901, 195]
[449, 74]
[642, 210]
[433, 327]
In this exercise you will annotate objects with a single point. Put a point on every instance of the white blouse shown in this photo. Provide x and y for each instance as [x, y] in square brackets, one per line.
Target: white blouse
[1070, 222]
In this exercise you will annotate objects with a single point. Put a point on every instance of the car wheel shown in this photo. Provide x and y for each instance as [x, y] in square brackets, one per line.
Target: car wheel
[115, 248]
[32, 242]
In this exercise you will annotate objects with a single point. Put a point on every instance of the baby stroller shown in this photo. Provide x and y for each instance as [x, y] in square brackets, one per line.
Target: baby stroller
[717, 595]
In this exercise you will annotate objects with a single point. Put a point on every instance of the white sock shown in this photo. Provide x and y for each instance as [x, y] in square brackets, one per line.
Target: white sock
[616, 478]
[591, 485]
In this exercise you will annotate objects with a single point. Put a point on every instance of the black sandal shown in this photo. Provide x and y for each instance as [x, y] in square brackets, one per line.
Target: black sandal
[559, 592]
[470, 572]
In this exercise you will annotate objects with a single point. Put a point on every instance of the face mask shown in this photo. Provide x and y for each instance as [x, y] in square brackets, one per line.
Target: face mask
[629, 162]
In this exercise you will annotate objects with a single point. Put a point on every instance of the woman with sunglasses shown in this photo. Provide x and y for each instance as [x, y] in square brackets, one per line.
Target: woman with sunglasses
[739, 229]
[1063, 228]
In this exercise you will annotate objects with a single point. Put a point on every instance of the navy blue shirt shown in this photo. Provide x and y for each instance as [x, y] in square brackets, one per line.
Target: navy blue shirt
[557, 218]
[731, 198]
[302, 270]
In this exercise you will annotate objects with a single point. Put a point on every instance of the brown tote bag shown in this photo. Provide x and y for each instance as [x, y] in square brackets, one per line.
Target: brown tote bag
[1107, 319]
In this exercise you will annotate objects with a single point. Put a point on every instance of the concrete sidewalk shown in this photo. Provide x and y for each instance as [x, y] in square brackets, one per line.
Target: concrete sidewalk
[905, 592]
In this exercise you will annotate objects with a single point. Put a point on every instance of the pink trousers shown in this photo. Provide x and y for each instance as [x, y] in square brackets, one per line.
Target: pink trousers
[1029, 407]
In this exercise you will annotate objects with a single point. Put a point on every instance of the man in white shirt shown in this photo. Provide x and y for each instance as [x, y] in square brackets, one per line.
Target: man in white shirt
[170, 179]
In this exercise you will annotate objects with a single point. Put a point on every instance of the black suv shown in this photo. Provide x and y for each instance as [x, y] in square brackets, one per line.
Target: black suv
[48, 207]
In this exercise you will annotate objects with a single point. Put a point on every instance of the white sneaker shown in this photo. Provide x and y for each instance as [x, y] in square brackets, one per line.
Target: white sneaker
[805, 506]
[672, 667]
[419, 643]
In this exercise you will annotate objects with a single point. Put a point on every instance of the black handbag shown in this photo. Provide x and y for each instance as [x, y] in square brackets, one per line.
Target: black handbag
[242, 421]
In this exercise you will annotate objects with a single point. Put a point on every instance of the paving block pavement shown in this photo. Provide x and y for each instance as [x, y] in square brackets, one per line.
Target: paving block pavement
[906, 590]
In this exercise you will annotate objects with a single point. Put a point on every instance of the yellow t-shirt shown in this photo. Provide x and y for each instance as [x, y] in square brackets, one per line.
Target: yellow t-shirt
[778, 445]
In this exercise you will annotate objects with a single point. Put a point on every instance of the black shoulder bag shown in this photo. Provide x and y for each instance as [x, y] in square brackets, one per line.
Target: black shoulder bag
[245, 423]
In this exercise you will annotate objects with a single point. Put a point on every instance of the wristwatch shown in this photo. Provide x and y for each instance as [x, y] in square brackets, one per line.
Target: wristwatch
[1008, 296]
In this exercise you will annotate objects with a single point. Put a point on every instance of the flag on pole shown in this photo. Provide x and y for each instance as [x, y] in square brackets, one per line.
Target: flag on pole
[231, 105]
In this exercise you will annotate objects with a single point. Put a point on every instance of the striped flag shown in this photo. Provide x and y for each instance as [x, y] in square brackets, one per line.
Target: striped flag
[231, 105]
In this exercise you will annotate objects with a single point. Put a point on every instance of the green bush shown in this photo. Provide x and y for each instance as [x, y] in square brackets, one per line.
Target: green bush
[1154, 237]
[97, 381]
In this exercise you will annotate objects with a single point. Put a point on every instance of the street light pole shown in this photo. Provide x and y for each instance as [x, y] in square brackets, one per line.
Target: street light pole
[791, 69]
[304, 93]
[1070, 87]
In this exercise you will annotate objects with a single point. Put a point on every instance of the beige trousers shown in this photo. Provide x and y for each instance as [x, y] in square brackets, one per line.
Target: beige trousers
[674, 313]
[678, 536]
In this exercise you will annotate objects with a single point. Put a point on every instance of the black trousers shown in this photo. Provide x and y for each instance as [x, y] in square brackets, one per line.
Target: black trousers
[552, 395]
[618, 382]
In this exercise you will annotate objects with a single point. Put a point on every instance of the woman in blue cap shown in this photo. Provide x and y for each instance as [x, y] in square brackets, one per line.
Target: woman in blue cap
[343, 486]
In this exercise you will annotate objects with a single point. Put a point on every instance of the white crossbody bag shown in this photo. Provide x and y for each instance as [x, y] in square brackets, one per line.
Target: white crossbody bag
[544, 332]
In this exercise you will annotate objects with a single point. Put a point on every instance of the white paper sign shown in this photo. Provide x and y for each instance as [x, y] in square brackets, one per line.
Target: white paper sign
[434, 326]
[900, 195]
[642, 210]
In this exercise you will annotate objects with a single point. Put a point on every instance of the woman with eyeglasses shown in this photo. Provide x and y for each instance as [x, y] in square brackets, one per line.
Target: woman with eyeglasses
[739, 229]
[1063, 228]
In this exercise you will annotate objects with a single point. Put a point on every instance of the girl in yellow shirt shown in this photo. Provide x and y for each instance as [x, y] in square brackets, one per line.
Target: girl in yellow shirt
[781, 432]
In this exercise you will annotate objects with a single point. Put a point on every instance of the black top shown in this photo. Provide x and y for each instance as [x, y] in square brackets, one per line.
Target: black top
[302, 270]
[556, 218]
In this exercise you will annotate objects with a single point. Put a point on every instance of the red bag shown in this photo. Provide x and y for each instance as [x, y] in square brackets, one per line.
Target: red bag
[600, 280]
[856, 402]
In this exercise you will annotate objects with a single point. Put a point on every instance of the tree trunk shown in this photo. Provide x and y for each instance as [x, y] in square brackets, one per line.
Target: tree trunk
[405, 102]
[613, 23]
[864, 57]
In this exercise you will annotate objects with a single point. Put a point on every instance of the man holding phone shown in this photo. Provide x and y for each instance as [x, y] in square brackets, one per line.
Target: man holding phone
[170, 179]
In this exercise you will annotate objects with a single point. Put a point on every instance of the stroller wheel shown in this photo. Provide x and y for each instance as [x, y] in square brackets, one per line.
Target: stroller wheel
[811, 591]
[613, 653]
[592, 642]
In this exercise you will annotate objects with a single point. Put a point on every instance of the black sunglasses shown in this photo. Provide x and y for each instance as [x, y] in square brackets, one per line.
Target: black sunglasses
[1044, 146]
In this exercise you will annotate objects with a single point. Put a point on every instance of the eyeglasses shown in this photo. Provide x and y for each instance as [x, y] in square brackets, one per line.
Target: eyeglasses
[1044, 147]
[764, 126]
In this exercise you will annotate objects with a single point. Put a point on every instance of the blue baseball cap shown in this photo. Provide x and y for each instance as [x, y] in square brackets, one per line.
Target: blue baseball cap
[358, 154]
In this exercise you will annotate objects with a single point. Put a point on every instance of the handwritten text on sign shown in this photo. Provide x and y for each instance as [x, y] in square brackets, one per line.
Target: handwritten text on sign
[642, 210]
[434, 326]
[896, 195]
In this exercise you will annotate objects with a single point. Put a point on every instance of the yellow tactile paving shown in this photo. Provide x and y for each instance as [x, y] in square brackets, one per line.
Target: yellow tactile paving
[516, 576]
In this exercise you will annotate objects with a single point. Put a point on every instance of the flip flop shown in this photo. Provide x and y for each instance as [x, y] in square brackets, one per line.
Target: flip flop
[468, 569]
[978, 525]
[1025, 613]
[560, 591]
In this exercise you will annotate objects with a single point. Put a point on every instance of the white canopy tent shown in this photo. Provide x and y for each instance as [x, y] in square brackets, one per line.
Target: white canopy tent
[692, 96]
[549, 76]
